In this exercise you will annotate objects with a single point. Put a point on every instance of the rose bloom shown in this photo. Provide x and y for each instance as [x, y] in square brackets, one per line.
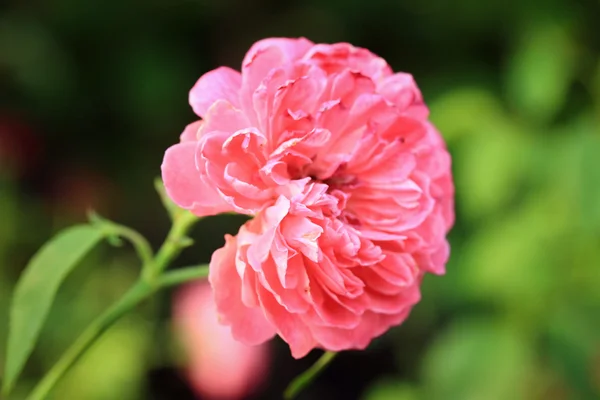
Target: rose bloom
[219, 367]
[349, 185]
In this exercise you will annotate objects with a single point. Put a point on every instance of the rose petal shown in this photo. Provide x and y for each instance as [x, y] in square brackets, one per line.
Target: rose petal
[222, 83]
[184, 184]
[190, 133]
[248, 325]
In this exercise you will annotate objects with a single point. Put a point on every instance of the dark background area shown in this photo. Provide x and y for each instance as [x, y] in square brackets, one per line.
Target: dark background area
[93, 92]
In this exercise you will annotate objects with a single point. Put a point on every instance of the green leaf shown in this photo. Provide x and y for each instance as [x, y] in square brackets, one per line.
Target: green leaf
[36, 289]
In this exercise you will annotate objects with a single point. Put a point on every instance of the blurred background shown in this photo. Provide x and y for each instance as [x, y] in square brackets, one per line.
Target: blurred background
[93, 92]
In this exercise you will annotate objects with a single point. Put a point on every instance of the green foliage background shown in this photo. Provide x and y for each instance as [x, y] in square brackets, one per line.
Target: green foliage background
[94, 91]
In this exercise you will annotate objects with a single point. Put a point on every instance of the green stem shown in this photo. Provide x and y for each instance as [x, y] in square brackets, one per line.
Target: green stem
[140, 244]
[114, 232]
[150, 283]
[138, 292]
[182, 275]
[175, 242]
[308, 376]
[171, 208]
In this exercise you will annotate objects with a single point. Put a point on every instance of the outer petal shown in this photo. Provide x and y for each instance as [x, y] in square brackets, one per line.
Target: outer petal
[184, 184]
[291, 49]
[289, 326]
[221, 83]
[339, 56]
[371, 326]
[402, 90]
[190, 133]
[223, 116]
[248, 325]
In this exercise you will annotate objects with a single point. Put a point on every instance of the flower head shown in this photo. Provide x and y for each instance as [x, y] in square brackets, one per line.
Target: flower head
[349, 185]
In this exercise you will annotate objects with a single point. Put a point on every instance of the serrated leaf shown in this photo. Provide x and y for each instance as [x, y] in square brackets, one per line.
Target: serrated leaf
[36, 289]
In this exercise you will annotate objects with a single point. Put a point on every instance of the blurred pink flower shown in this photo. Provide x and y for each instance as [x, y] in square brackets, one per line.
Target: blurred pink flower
[349, 184]
[219, 367]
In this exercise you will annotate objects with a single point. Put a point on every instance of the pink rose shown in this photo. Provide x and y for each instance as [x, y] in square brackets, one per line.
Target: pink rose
[349, 184]
[219, 367]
